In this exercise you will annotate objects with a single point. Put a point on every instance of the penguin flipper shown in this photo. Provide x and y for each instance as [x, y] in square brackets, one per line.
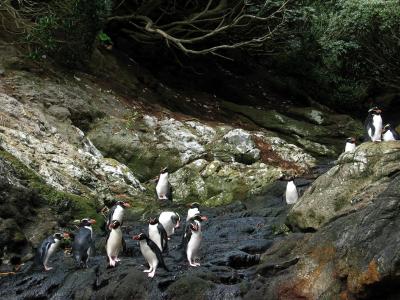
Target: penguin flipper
[153, 246]
[169, 193]
[186, 236]
[164, 237]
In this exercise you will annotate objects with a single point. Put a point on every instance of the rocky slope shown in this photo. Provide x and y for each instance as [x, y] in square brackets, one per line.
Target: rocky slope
[353, 255]
[72, 143]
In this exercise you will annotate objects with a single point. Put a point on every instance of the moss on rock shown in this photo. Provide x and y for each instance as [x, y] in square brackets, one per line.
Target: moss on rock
[189, 287]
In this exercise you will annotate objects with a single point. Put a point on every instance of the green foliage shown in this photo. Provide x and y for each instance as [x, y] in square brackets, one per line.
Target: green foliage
[343, 50]
[67, 29]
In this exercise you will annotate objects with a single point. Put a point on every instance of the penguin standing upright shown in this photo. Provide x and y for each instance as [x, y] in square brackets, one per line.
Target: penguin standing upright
[117, 213]
[390, 134]
[291, 192]
[151, 253]
[170, 221]
[83, 245]
[48, 247]
[373, 124]
[114, 242]
[194, 209]
[350, 144]
[158, 234]
[192, 239]
[163, 187]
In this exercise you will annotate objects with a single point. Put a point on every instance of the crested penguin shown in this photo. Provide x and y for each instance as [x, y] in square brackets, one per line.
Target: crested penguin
[194, 209]
[151, 253]
[163, 187]
[117, 212]
[158, 234]
[83, 245]
[350, 144]
[114, 242]
[192, 239]
[390, 134]
[373, 124]
[170, 221]
[291, 192]
[48, 247]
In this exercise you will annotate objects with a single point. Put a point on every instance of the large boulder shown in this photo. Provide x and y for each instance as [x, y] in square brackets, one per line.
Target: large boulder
[353, 257]
[350, 185]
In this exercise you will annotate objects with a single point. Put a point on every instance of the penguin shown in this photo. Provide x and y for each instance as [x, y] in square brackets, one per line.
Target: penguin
[163, 187]
[194, 209]
[192, 239]
[373, 124]
[291, 192]
[117, 213]
[114, 243]
[83, 245]
[390, 134]
[48, 247]
[350, 144]
[170, 221]
[158, 234]
[151, 253]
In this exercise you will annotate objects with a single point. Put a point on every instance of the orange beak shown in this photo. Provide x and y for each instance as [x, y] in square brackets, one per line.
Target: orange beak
[66, 235]
[126, 204]
[204, 218]
[92, 221]
[135, 237]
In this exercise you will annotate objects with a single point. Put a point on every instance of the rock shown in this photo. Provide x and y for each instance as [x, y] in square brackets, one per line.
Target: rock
[189, 287]
[218, 183]
[352, 257]
[77, 168]
[350, 185]
[320, 132]
[60, 112]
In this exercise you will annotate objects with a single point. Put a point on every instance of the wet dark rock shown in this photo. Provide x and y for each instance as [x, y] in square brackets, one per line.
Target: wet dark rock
[354, 256]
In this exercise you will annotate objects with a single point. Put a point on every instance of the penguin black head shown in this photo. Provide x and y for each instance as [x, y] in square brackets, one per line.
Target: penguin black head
[164, 170]
[199, 218]
[114, 224]
[87, 222]
[60, 236]
[194, 205]
[153, 221]
[123, 204]
[351, 140]
[374, 111]
[140, 237]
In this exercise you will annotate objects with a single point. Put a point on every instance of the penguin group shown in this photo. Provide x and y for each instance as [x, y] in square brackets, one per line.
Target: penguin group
[374, 131]
[153, 244]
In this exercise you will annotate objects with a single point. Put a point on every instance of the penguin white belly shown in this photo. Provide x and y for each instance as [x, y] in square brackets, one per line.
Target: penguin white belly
[118, 214]
[52, 249]
[114, 242]
[291, 193]
[350, 147]
[155, 235]
[377, 123]
[193, 246]
[162, 186]
[148, 254]
[388, 136]
[166, 221]
[192, 212]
